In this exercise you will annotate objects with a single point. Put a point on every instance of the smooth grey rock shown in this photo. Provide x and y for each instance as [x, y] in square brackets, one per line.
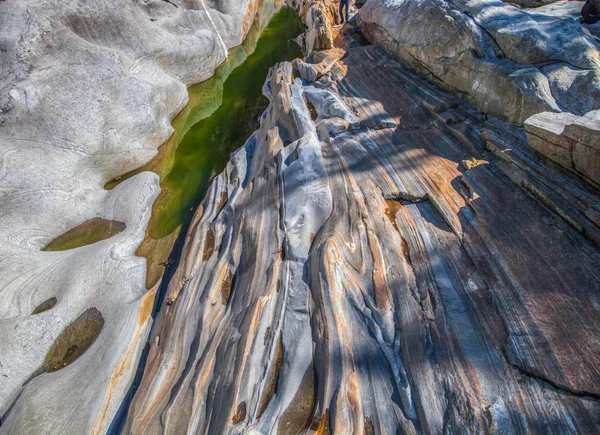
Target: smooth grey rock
[563, 155]
[586, 130]
[587, 161]
[569, 140]
[573, 88]
[559, 9]
[491, 53]
[551, 126]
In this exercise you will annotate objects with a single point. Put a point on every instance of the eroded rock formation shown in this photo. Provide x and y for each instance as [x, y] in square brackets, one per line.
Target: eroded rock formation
[319, 17]
[380, 257]
[509, 62]
[87, 92]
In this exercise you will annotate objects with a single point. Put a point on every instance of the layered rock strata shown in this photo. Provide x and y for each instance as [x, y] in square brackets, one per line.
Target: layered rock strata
[571, 141]
[380, 257]
[87, 92]
[509, 62]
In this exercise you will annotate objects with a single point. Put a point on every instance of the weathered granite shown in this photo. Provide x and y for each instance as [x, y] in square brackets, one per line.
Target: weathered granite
[322, 62]
[569, 140]
[319, 17]
[87, 92]
[362, 280]
[509, 62]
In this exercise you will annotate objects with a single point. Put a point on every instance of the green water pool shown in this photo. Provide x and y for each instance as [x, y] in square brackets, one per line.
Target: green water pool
[222, 113]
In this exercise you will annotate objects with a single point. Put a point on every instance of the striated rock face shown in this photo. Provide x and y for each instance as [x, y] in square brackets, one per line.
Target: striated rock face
[87, 91]
[571, 141]
[380, 257]
[509, 62]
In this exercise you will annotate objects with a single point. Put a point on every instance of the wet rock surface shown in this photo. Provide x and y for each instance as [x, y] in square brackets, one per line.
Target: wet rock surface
[398, 263]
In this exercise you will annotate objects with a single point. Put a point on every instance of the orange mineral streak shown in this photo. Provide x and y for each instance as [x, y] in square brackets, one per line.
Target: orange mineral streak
[127, 363]
[353, 394]
[252, 339]
[383, 296]
[323, 428]
[250, 15]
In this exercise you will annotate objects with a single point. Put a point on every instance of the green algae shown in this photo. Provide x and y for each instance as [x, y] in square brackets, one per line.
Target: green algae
[73, 342]
[75, 339]
[48, 304]
[91, 231]
[221, 114]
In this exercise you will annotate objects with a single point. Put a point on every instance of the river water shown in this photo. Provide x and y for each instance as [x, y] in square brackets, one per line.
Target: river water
[221, 114]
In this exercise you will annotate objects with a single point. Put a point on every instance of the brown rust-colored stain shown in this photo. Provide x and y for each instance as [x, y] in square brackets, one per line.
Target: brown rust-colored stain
[405, 249]
[323, 427]
[240, 413]
[312, 110]
[45, 306]
[297, 416]
[226, 288]
[392, 209]
[272, 379]
[278, 286]
[369, 429]
[267, 333]
[222, 201]
[145, 309]
[209, 245]
[156, 252]
[75, 339]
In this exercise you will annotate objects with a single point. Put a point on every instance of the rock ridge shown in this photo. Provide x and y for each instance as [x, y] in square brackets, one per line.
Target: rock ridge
[398, 263]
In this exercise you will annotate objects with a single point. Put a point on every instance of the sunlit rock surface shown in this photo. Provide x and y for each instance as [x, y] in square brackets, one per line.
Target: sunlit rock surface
[509, 62]
[319, 17]
[571, 141]
[87, 93]
[380, 257]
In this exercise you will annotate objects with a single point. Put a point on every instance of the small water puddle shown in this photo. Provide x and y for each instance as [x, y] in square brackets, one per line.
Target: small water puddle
[221, 114]
[91, 231]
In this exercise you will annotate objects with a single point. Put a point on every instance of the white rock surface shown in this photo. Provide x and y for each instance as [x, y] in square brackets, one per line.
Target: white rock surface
[87, 92]
[507, 61]
[569, 140]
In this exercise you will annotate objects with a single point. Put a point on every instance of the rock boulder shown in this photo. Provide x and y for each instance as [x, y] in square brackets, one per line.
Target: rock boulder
[509, 62]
